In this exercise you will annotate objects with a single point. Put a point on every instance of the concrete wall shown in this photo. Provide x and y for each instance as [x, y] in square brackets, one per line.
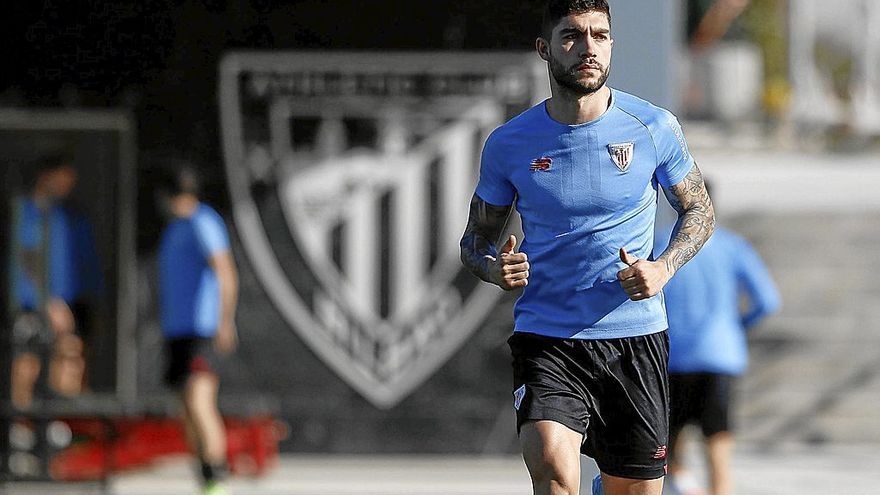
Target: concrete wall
[647, 42]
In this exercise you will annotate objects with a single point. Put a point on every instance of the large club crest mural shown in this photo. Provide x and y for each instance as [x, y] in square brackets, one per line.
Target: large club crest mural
[351, 176]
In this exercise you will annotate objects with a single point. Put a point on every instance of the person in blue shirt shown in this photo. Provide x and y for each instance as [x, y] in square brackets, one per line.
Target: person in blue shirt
[54, 264]
[589, 347]
[711, 303]
[198, 285]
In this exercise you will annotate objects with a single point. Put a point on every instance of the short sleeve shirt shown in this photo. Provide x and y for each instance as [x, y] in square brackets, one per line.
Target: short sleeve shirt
[707, 333]
[189, 290]
[583, 192]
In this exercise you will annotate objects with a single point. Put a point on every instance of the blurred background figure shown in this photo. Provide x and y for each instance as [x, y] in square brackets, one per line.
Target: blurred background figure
[54, 265]
[715, 44]
[711, 303]
[711, 19]
[198, 286]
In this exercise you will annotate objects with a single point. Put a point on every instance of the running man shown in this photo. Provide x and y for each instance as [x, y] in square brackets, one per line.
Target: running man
[589, 345]
[708, 349]
[198, 282]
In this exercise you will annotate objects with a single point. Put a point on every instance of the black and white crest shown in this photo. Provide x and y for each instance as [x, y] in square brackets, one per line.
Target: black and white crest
[351, 176]
[621, 154]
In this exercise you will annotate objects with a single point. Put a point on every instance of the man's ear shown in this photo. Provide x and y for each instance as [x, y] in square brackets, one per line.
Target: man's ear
[542, 46]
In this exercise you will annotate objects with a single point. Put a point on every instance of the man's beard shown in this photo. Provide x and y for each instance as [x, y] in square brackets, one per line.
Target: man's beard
[567, 78]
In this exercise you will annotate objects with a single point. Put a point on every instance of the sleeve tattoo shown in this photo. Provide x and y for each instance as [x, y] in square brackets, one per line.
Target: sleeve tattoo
[485, 224]
[696, 220]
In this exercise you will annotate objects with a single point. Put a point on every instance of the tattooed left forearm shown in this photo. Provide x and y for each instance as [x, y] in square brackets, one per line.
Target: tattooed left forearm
[696, 220]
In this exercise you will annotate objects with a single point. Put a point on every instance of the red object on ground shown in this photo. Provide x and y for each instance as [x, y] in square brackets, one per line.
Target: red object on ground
[116, 445]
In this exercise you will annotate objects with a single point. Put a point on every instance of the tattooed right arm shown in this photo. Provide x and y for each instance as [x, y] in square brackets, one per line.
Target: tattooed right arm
[484, 227]
[485, 224]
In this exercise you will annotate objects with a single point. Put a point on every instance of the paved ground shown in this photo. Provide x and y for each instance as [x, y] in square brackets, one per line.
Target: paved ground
[793, 470]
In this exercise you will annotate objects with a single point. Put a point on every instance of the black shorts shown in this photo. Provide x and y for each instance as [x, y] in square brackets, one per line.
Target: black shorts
[615, 392]
[31, 333]
[703, 399]
[187, 356]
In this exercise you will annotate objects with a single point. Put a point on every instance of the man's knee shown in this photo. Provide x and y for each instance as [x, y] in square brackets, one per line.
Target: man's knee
[555, 477]
[200, 392]
[552, 454]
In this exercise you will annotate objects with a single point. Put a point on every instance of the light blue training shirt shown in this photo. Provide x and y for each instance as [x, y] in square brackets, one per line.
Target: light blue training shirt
[704, 304]
[583, 192]
[188, 286]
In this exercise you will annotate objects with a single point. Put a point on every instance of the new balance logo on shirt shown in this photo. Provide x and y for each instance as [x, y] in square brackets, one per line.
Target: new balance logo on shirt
[541, 164]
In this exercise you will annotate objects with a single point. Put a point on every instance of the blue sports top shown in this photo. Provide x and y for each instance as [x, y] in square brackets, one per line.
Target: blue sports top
[583, 192]
[60, 241]
[707, 329]
[54, 254]
[188, 286]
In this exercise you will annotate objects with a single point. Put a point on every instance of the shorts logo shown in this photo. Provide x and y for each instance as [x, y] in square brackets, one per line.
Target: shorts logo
[351, 176]
[621, 154]
[518, 397]
[661, 452]
[541, 164]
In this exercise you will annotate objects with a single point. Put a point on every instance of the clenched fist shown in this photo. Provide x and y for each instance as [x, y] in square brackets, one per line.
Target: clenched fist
[641, 279]
[510, 270]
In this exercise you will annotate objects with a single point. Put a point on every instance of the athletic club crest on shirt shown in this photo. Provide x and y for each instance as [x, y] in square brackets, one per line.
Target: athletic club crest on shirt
[621, 154]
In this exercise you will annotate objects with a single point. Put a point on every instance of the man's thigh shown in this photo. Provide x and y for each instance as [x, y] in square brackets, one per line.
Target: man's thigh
[551, 452]
[614, 485]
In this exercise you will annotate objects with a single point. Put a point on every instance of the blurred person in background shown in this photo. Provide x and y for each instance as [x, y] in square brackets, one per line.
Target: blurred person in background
[198, 284]
[55, 264]
[710, 20]
[711, 302]
[589, 344]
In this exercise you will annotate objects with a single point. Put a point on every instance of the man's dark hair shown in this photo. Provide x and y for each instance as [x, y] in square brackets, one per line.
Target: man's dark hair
[46, 164]
[179, 177]
[557, 9]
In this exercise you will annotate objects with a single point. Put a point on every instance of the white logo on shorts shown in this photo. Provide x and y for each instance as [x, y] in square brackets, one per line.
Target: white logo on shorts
[518, 397]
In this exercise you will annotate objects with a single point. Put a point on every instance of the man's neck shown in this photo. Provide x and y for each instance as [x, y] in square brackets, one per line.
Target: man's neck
[185, 205]
[570, 108]
[42, 198]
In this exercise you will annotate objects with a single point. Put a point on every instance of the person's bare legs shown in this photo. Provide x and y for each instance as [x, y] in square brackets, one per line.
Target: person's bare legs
[676, 452]
[67, 366]
[203, 418]
[719, 449]
[681, 477]
[552, 452]
[552, 455]
[614, 485]
[25, 372]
